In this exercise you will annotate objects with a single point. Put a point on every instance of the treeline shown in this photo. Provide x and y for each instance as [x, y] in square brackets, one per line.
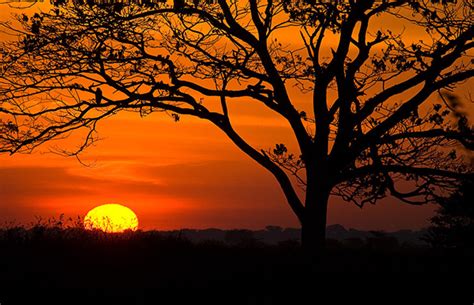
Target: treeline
[271, 236]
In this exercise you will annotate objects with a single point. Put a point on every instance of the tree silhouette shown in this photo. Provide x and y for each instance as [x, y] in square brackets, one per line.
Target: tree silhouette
[453, 224]
[379, 116]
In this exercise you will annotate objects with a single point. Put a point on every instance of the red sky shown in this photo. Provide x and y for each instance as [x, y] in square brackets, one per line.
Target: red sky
[175, 175]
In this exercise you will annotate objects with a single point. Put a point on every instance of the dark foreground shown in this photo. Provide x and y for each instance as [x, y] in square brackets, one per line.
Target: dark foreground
[72, 266]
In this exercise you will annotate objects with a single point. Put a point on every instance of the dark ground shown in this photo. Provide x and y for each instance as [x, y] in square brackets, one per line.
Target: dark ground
[71, 266]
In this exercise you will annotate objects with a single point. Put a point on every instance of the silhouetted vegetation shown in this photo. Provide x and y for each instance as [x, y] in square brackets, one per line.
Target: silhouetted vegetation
[58, 260]
[453, 225]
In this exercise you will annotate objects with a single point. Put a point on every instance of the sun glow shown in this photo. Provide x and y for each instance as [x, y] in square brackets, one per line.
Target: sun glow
[111, 218]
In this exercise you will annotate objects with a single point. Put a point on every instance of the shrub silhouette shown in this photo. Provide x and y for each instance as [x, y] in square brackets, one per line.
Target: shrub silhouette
[453, 224]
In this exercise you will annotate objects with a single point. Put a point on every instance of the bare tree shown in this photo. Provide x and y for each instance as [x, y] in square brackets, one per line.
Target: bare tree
[380, 117]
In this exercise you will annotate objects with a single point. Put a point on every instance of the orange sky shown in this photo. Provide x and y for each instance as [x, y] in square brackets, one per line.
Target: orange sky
[175, 175]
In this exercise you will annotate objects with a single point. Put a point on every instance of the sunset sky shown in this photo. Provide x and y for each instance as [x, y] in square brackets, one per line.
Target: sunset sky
[175, 175]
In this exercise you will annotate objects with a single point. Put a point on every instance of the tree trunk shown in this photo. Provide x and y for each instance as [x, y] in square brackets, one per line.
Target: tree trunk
[313, 224]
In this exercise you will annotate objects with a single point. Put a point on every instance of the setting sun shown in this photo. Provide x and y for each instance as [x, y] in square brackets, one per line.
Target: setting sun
[111, 218]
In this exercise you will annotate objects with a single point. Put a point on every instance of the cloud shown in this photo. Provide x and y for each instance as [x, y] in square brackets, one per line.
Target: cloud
[205, 187]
